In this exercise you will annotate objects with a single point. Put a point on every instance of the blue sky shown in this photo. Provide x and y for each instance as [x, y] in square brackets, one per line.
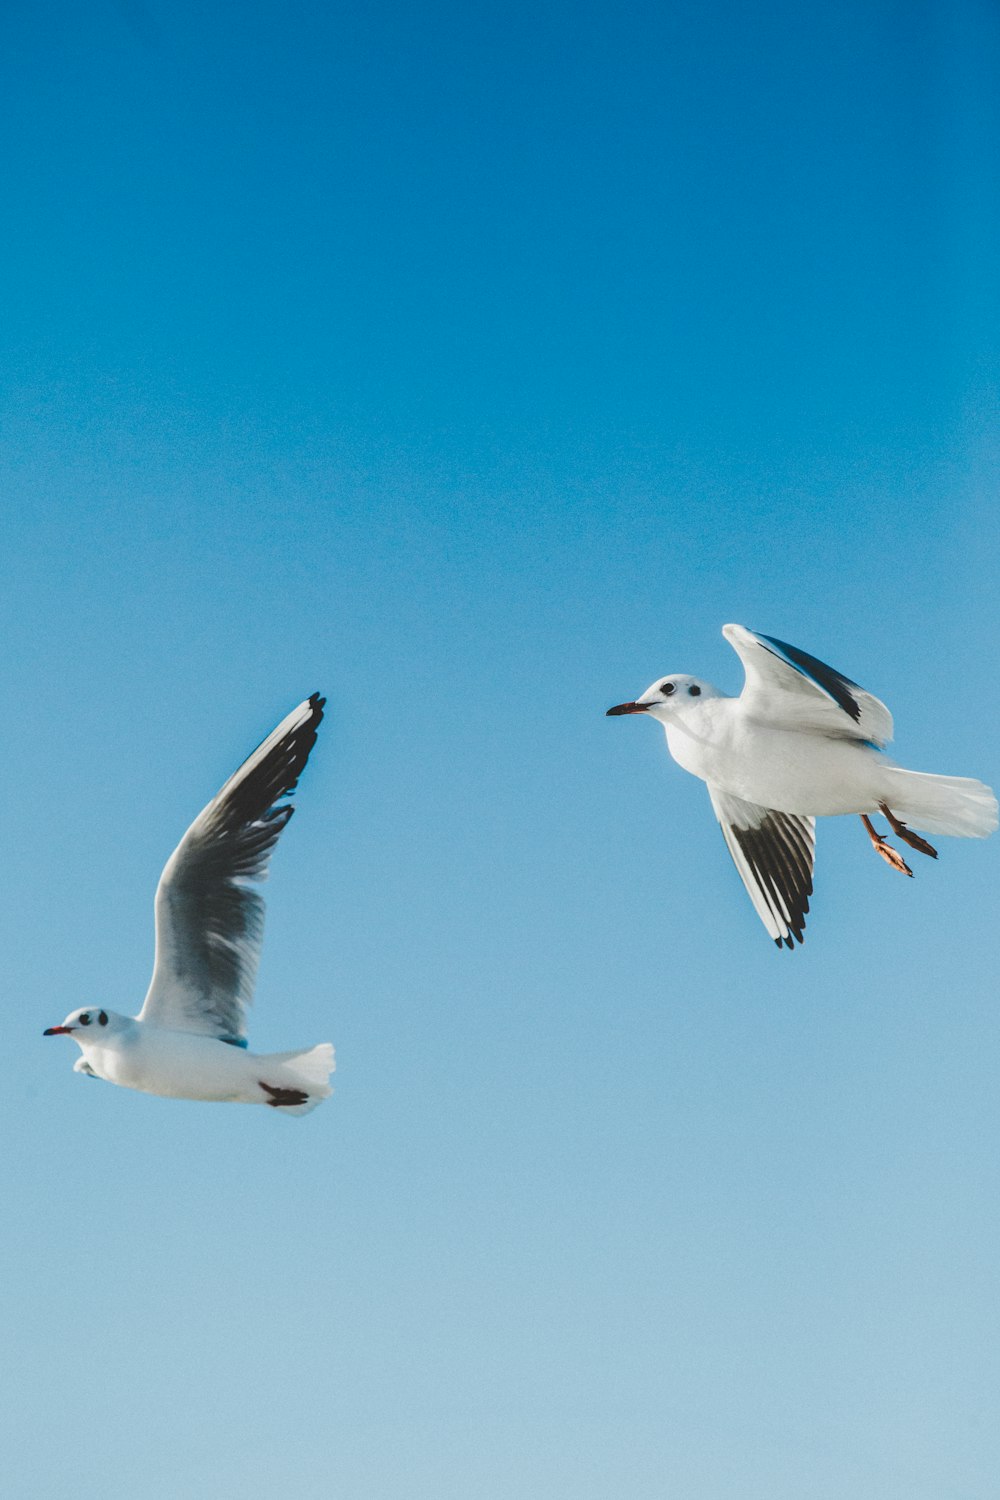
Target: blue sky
[475, 365]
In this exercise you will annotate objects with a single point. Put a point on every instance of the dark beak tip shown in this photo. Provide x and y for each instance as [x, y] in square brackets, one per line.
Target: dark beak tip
[625, 708]
[56, 1031]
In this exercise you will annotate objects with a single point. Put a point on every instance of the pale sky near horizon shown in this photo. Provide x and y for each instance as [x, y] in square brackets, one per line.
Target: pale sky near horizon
[474, 365]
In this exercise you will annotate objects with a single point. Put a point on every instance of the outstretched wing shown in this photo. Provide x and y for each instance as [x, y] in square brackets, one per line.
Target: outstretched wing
[789, 688]
[209, 918]
[774, 853]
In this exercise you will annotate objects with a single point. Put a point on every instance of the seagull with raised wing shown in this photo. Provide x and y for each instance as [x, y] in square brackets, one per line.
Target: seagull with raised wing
[801, 742]
[189, 1039]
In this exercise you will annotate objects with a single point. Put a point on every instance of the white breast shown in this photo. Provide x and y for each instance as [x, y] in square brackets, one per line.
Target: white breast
[791, 772]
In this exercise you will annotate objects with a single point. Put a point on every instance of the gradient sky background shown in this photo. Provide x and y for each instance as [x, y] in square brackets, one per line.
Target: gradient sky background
[475, 364]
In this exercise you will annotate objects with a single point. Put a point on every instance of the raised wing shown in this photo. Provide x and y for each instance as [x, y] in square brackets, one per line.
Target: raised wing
[209, 918]
[774, 853]
[789, 688]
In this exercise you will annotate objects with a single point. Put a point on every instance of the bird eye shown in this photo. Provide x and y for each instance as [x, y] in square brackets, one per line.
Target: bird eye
[694, 690]
[103, 1018]
[85, 1018]
[668, 688]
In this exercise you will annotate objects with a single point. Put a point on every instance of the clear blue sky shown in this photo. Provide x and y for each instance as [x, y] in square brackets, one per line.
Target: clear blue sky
[475, 364]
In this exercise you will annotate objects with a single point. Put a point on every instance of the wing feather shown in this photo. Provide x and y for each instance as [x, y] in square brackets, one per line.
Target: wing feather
[774, 853]
[787, 687]
[209, 917]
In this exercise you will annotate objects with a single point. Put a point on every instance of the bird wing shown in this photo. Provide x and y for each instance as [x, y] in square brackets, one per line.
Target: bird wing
[774, 853]
[209, 918]
[790, 689]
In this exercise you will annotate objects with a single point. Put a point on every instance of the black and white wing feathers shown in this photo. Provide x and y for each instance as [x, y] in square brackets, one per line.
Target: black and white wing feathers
[774, 853]
[788, 688]
[209, 917]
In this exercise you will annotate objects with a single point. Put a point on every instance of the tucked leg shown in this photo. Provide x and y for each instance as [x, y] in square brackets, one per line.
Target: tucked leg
[885, 849]
[280, 1096]
[900, 829]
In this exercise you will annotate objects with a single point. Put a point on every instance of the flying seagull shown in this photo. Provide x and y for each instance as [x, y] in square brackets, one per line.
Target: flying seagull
[801, 742]
[189, 1040]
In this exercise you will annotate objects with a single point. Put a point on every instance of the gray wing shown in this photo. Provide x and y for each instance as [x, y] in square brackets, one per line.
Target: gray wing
[789, 688]
[774, 853]
[209, 918]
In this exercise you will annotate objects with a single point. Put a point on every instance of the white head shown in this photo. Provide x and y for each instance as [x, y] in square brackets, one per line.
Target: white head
[669, 697]
[88, 1024]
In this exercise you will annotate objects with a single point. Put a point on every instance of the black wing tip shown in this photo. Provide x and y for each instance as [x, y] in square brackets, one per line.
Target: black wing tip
[257, 795]
[782, 867]
[316, 703]
[828, 678]
[305, 731]
[299, 742]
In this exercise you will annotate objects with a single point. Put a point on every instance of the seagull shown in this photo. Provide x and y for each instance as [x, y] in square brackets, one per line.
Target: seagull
[801, 742]
[189, 1039]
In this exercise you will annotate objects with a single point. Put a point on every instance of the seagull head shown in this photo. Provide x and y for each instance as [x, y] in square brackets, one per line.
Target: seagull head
[667, 697]
[90, 1023]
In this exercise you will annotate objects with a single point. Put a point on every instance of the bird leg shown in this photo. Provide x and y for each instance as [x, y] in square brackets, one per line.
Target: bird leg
[283, 1097]
[900, 829]
[885, 849]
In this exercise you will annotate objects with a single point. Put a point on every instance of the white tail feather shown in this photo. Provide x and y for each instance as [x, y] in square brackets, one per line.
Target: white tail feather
[308, 1072]
[954, 805]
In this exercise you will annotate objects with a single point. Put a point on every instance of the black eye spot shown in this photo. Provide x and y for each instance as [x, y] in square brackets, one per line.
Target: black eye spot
[85, 1018]
[694, 690]
[103, 1018]
[668, 688]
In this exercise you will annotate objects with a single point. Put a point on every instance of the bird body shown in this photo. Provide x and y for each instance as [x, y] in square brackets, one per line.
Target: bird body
[185, 1065]
[189, 1039]
[794, 771]
[800, 742]
[782, 769]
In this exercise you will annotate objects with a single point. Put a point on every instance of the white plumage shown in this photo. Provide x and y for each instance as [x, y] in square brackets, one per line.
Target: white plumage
[189, 1039]
[801, 741]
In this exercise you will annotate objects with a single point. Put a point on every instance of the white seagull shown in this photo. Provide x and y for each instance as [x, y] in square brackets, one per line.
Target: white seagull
[189, 1039]
[801, 742]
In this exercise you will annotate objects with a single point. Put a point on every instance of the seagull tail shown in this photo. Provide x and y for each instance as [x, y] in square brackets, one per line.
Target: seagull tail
[954, 805]
[288, 1076]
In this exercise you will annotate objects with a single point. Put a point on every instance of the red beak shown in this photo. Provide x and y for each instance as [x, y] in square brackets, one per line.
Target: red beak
[58, 1031]
[626, 708]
